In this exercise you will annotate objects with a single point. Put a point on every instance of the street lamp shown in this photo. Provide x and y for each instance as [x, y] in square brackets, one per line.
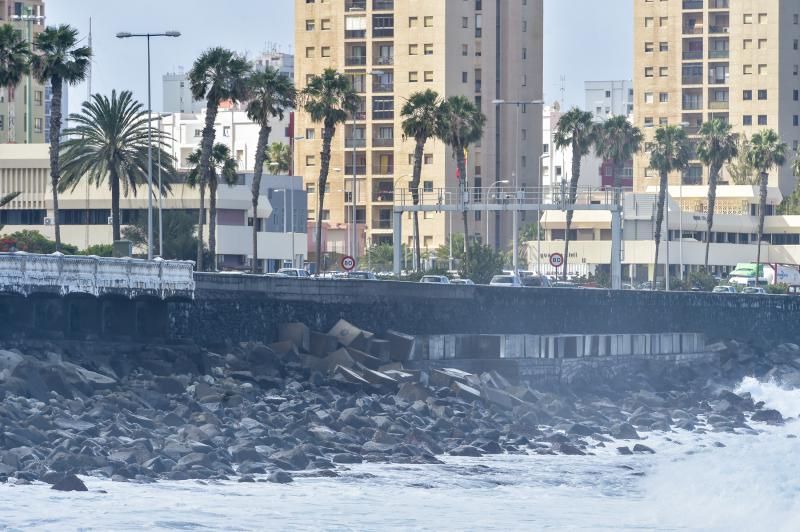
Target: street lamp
[486, 204]
[30, 18]
[515, 225]
[128, 35]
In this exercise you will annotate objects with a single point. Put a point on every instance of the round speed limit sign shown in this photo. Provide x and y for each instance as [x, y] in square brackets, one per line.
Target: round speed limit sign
[556, 260]
[348, 263]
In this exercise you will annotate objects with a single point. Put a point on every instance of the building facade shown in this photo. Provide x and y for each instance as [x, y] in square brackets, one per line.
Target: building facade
[605, 99]
[178, 94]
[485, 50]
[736, 60]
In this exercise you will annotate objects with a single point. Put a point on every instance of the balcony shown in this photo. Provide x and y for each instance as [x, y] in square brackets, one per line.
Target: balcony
[718, 4]
[360, 115]
[383, 87]
[382, 223]
[355, 143]
[355, 5]
[383, 60]
[693, 30]
[355, 34]
[382, 169]
[378, 33]
[382, 5]
[695, 104]
[692, 79]
[713, 79]
[719, 54]
[356, 60]
[718, 29]
[382, 143]
[383, 193]
[692, 4]
[693, 54]
[718, 105]
[361, 169]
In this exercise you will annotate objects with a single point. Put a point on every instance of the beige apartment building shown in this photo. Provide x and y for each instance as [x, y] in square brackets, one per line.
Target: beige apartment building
[738, 60]
[482, 49]
[14, 123]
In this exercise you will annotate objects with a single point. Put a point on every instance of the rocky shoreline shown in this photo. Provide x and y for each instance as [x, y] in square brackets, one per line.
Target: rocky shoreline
[135, 412]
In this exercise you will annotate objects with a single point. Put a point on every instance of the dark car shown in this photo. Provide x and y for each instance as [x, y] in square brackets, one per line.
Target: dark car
[536, 281]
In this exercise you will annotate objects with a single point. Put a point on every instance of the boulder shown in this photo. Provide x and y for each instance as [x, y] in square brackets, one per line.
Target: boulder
[349, 376]
[364, 359]
[70, 483]
[467, 393]
[624, 450]
[642, 449]
[295, 458]
[347, 458]
[280, 477]
[297, 333]
[770, 416]
[322, 344]
[411, 392]
[466, 450]
[624, 431]
[568, 449]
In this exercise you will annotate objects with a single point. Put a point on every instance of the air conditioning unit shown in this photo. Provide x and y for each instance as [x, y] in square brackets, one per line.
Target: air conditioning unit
[110, 220]
[48, 221]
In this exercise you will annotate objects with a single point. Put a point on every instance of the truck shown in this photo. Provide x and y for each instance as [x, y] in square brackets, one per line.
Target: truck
[769, 274]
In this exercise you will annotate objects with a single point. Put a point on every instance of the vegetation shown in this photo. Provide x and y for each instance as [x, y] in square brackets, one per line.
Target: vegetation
[462, 125]
[5, 200]
[109, 142]
[57, 59]
[422, 119]
[575, 130]
[717, 147]
[218, 75]
[766, 152]
[15, 57]
[279, 158]
[740, 169]
[99, 250]
[33, 242]
[380, 258]
[669, 153]
[791, 203]
[328, 99]
[180, 242]
[618, 141]
[271, 94]
[482, 263]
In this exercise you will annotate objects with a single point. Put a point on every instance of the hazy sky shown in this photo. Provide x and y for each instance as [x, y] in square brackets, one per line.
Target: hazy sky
[584, 39]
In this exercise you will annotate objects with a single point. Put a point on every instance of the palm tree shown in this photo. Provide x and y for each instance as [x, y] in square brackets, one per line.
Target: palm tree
[461, 125]
[58, 59]
[422, 117]
[223, 171]
[15, 57]
[717, 147]
[328, 98]
[670, 153]
[575, 130]
[279, 158]
[218, 75]
[271, 94]
[5, 200]
[618, 141]
[109, 141]
[766, 152]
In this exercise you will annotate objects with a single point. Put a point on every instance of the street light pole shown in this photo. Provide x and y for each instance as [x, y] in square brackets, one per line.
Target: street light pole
[126, 35]
[486, 204]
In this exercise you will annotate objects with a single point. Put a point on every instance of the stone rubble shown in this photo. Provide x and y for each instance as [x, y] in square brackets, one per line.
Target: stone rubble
[313, 402]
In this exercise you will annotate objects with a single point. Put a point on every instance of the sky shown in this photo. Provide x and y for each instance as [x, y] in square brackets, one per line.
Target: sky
[584, 39]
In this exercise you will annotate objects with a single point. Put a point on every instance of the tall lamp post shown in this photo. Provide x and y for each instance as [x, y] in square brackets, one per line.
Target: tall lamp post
[127, 35]
[486, 204]
[515, 212]
[29, 18]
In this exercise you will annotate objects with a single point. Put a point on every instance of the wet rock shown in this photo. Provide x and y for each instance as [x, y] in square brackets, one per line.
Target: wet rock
[70, 483]
[568, 449]
[347, 458]
[466, 450]
[280, 477]
[772, 417]
[292, 460]
[624, 450]
[624, 431]
[642, 449]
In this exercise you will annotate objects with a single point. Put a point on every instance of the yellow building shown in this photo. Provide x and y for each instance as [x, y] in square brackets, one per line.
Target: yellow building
[736, 60]
[482, 49]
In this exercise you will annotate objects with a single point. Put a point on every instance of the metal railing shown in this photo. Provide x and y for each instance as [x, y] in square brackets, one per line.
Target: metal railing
[356, 60]
[692, 4]
[23, 273]
[509, 197]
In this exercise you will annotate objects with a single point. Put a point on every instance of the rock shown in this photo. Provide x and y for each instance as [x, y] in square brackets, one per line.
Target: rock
[401, 346]
[577, 429]
[246, 478]
[280, 477]
[643, 449]
[295, 458]
[322, 344]
[624, 450]
[773, 417]
[411, 392]
[347, 458]
[568, 449]
[345, 333]
[467, 393]
[365, 359]
[624, 431]
[70, 483]
[169, 385]
[297, 333]
[466, 450]
[349, 376]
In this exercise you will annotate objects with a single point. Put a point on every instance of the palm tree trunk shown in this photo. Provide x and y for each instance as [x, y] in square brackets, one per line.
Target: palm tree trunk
[8, 112]
[200, 224]
[212, 222]
[55, 146]
[115, 221]
[462, 171]
[324, 165]
[205, 166]
[761, 213]
[417, 175]
[261, 152]
[662, 196]
[573, 196]
[713, 178]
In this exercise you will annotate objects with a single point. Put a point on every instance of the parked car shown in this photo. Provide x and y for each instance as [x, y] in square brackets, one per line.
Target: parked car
[299, 273]
[435, 279]
[505, 280]
[462, 282]
[361, 276]
[754, 290]
[724, 289]
[536, 281]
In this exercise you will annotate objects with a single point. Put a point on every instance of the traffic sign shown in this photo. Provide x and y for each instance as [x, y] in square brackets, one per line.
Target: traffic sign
[556, 260]
[348, 263]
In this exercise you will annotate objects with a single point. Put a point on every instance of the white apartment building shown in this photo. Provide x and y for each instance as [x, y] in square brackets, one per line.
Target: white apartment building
[605, 99]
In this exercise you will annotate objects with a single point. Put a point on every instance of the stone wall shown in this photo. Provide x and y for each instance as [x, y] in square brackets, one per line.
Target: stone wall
[243, 307]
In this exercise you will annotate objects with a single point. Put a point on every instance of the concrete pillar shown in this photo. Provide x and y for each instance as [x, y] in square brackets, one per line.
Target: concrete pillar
[397, 242]
[616, 246]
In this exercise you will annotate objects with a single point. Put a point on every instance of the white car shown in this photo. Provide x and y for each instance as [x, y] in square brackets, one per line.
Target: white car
[465, 282]
[435, 279]
[754, 290]
[724, 289]
[294, 272]
[505, 280]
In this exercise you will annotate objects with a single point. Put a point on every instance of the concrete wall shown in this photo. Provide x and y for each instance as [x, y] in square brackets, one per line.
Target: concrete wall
[243, 307]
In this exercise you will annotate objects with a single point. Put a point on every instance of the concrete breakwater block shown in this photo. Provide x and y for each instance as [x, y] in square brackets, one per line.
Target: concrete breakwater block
[297, 333]
[365, 359]
[445, 377]
[401, 346]
[322, 344]
[347, 334]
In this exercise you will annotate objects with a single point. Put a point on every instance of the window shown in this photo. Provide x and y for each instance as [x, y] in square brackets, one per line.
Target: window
[310, 25]
[326, 214]
[648, 121]
[663, 47]
[413, 77]
[428, 159]
[648, 22]
[762, 44]
[37, 125]
[310, 160]
[663, 121]
[465, 50]
[648, 47]
[413, 49]
[226, 131]
[762, 120]
[663, 97]
[663, 71]
[747, 70]
[747, 95]
[478, 26]
[37, 97]
[796, 95]
[310, 52]
[796, 120]
[412, 22]
[524, 54]
[762, 70]
[325, 51]
[428, 49]
[762, 94]
[310, 134]
[748, 18]
[198, 133]
[747, 120]
[428, 22]
[648, 97]
[465, 22]
[648, 72]
[762, 18]
[428, 76]
[662, 21]
[325, 24]
[524, 26]
[464, 77]
[427, 186]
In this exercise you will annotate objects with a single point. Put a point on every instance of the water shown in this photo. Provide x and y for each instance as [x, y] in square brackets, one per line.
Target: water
[753, 483]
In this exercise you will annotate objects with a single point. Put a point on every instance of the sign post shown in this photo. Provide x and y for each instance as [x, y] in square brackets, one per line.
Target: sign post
[348, 263]
[556, 261]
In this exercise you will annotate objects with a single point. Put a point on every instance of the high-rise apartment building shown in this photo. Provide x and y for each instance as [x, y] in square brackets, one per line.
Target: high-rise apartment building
[605, 99]
[482, 49]
[736, 60]
[28, 16]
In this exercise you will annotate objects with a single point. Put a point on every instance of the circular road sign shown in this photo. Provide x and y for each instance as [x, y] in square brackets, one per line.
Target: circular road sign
[348, 263]
[556, 260]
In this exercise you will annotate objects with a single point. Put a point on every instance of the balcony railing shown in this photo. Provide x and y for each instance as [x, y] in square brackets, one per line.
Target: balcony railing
[383, 196]
[355, 143]
[692, 4]
[692, 80]
[382, 5]
[382, 143]
[693, 54]
[693, 105]
[383, 60]
[383, 169]
[717, 80]
[360, 115]
[356, 60]
[718, 29]
[382, 224]
[719, 54]
[719, 4]
[355, 5]
[355, 34]
[360, 169]
[718, 105]
[693, 30]
[382, 32]
[383, 87]
[383, 115]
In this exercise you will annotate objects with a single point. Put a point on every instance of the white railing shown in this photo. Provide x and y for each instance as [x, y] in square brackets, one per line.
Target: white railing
[23, 273]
